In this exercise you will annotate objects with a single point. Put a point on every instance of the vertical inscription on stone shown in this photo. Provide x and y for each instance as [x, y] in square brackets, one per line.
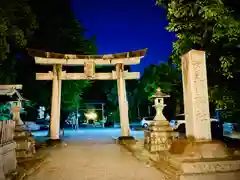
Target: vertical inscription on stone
[200, 96]
[196, 103]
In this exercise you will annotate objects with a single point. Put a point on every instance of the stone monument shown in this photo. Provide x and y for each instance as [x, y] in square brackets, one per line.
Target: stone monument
[160, 134]
[197, 157]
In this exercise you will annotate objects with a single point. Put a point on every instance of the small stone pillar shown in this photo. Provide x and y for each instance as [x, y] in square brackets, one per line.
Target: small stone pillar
[24, 140]
[160, 134]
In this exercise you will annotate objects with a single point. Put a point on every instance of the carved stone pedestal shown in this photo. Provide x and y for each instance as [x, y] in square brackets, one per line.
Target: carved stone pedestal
[8, 163]
[2, 176]
[159, 136]
[25, 142]
[198, 160]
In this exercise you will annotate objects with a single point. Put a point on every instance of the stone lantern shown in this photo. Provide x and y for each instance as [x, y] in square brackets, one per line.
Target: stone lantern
[16, 109]
[159, 104]
[25, 143]
[158, 137]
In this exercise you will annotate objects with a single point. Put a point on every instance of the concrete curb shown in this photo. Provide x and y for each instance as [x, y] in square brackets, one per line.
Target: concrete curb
[32, 170]
[42, 159]
[147, 158]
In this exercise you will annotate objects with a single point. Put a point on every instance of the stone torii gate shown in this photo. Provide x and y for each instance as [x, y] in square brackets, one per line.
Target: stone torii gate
[58, 60]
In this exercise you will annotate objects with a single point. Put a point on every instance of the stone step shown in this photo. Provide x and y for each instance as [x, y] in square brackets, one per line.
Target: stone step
[168, 170]
[11, 176]
[24, 154]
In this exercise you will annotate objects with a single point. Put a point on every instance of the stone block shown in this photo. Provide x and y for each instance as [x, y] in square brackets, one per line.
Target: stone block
[8, 158]
[126, 139]
[199, 160]
[25, 144]
[19, 134]
[53, 142]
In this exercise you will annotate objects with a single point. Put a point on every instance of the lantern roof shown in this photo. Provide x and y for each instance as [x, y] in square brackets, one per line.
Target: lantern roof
[159, 94]
[10, 90]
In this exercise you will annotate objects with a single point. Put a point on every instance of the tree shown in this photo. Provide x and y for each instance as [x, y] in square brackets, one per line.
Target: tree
[112, 99]
[168, 79]
[163, 76]
[214, 27]
[17, 24]
[111, 91]
[72, 94]
[58, 31]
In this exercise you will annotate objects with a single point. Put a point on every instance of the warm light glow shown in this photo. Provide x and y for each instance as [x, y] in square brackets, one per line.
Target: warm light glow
[91, 115]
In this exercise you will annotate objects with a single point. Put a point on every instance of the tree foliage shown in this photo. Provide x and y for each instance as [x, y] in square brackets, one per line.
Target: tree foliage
[112, 99]
[203, 25]
[72, 93]
[110, 90]
[214, 27]
[58, 31]
[163, 76]
[17, 23]
[168, 78]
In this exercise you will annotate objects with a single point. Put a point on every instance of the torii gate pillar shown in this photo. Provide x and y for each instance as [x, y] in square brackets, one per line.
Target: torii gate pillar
[122, 100]
[56, 103]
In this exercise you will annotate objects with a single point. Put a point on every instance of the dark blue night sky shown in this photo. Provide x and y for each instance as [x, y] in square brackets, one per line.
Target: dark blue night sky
[125, 25]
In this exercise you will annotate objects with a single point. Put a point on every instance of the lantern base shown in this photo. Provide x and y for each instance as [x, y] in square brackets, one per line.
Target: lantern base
[159, 136]
[25, 142]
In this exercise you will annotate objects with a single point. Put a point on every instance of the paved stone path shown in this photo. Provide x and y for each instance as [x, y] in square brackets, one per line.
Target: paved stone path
[93, 160]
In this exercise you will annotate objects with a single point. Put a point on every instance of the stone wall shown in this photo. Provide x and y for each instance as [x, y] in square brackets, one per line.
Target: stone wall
[8, 162]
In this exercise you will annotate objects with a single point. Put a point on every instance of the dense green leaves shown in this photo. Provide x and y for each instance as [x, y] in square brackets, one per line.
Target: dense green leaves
[5, 111]
[17, 23]
[212, 26]
[112, 99]
[203, 25]
[44, 25]
[163, 76]
[72, 92]
[58, 31]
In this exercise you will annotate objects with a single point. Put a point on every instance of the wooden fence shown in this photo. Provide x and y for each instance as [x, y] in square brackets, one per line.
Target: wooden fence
[6, 131]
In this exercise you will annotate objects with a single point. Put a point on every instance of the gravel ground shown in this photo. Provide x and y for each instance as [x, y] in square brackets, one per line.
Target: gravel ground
[93, 160]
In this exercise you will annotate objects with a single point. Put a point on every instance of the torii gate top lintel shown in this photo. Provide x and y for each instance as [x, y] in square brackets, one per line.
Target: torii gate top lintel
[50, 58]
